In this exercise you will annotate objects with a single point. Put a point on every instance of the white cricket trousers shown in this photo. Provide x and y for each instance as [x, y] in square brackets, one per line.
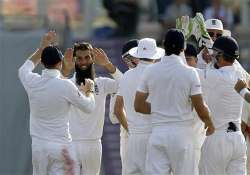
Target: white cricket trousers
[200, 135]
[123, 149]
[248, 155]
[47, 157]
[223, 153]
[171, 149]
[88, 155]
[136, 153]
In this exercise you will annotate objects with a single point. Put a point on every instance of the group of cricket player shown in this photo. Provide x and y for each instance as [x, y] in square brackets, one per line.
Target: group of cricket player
[181, 110]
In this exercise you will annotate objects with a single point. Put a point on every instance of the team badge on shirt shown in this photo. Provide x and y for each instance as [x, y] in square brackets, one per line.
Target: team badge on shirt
[96, 89]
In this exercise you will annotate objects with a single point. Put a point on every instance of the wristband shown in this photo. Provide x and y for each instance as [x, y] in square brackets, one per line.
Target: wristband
[243, 92]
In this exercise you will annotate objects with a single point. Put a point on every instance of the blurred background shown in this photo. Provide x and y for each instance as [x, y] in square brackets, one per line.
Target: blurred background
[105, 23]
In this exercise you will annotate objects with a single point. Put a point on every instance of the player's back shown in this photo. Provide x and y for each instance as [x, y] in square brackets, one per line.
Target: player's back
[128, 85]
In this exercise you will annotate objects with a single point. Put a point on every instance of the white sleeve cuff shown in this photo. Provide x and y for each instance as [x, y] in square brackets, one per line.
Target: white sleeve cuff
[117, 75]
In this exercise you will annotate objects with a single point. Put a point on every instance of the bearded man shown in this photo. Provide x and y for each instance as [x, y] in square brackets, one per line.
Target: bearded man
[88, 128]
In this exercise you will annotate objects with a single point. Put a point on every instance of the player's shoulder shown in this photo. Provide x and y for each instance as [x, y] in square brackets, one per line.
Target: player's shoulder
[189, 71]
[129, 73]
[66, 82]
[187, 68]
[102, 79]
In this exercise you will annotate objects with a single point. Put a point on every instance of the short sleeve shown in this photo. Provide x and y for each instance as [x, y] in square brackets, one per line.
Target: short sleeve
[208, 77]
[143, 83]
[195, 84]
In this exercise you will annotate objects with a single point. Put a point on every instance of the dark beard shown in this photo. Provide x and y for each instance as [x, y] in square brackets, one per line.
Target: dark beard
[81, 74]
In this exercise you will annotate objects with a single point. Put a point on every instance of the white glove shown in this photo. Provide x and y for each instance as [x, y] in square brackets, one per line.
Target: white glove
[185, 24]
[200, 31]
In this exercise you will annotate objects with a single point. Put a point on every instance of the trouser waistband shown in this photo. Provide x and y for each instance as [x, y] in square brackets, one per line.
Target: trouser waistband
[230, 127]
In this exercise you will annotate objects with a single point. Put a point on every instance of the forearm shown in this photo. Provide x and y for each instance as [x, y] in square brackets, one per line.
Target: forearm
[120, 114]
[36, 56]
[203, 114]
[85, 103]
[110, 67]
[143, 107]
[244, 93]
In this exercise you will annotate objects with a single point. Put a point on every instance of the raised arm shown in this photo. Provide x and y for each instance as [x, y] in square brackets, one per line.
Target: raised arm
[25, 71]
[101, 59]
[68, 62]
[82, 98]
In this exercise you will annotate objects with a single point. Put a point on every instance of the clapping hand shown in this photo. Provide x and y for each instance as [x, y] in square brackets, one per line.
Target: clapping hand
[88, 87]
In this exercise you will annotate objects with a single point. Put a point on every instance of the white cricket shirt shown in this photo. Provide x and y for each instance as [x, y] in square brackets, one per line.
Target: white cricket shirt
[170, 83]
[50, 99]
[89, 126]
[223, 101]
[137, 122]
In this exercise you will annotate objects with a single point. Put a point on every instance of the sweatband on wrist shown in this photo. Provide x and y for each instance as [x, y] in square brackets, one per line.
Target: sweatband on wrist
[243, 92]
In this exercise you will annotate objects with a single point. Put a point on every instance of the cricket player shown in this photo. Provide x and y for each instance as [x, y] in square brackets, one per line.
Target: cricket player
[207, 32]
[87, 129]
[224, 152]
[215, 29]
[50, 98]
[200, 132]
[139, 125]
[168, 90]
[131, 63]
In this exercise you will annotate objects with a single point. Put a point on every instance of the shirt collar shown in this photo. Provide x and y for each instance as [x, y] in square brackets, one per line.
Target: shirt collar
[227, 68]
[172, 58]
[54, 73]
[143, 64]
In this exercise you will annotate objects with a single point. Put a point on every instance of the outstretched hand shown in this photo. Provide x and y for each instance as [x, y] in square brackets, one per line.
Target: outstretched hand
[48, 39]
[68, 62]
[100, 57]
[210, 129]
